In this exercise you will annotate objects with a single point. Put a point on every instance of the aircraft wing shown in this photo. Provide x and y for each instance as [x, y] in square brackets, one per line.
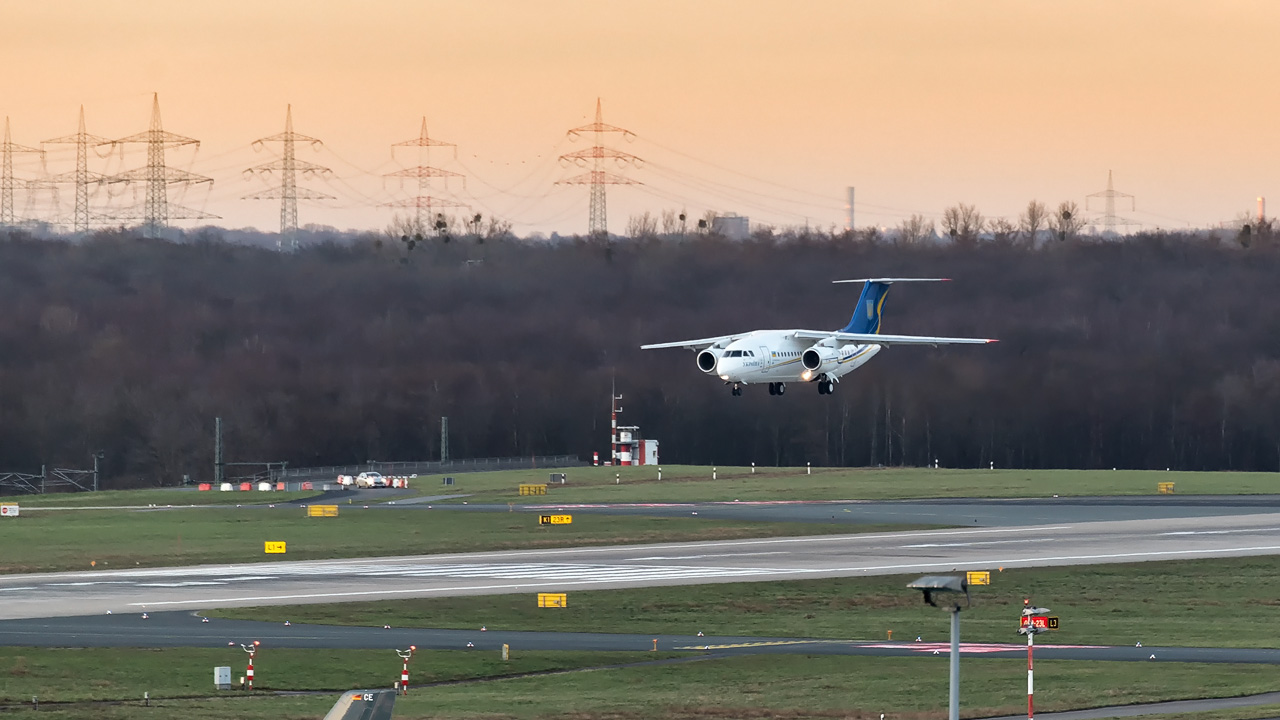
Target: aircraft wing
[698, 344]
[878, 339]
[363, 705]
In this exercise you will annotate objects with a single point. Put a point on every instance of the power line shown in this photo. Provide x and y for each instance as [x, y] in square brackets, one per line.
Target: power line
[598, 177]
[158, 176]
[1109, 197]
[7, 182]
[80, 177]
[288, 166]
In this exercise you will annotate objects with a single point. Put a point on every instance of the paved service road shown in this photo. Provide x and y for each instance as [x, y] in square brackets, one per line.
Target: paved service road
[184, 629]
[275, 583]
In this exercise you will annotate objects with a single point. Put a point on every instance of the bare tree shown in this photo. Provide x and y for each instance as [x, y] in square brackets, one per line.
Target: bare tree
[1032, 219]
[914, 230]
[1067, 222]
[1003, 231]
[963, 223]
[644, 225]
[672, 222]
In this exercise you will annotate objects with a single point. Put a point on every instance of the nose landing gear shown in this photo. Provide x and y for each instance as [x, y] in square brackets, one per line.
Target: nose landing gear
[737, 390]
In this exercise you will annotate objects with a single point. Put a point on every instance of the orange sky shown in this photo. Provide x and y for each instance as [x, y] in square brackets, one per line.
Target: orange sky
[764, 108]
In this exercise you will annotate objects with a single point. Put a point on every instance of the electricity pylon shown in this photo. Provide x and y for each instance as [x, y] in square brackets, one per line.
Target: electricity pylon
[7, 218]
[1109, 218]
[594, 157]
[288, 166]
[81, 176]
[424, 173]
[157, 210]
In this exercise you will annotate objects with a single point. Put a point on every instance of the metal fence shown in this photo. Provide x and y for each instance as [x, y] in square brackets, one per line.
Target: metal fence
[428, 467]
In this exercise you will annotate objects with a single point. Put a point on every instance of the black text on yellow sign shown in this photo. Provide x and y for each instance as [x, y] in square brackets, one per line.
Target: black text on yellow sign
[553, 600]
[276, 548]
[555, 519]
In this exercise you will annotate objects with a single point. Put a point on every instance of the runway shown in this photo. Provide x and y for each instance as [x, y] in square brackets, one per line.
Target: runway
[183, 629]
[786, 558]
[967, 512]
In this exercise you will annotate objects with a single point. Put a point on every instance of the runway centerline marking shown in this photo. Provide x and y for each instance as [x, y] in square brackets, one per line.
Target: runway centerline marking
[978, 542]
[709, 555]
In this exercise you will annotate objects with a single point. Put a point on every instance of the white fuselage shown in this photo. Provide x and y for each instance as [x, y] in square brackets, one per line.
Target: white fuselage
[777, 356]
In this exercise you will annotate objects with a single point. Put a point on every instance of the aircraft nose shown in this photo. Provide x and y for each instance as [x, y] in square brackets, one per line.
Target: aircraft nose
[727, 367]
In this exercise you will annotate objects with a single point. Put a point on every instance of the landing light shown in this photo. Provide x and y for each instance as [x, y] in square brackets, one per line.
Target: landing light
[807, 375]
[724, 377]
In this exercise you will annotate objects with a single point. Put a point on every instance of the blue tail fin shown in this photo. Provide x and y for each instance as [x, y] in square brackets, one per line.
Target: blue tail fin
[866, 316]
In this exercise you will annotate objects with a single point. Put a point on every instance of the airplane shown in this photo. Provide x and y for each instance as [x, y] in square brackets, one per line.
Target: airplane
[822, 356]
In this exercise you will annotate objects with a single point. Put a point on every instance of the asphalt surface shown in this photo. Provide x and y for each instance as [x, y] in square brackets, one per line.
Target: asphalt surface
[970, 512]
[184, 629]
[556, 570]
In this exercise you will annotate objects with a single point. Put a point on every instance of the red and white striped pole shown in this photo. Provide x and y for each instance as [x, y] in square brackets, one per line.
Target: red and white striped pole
[252, 650]
[404, 670]
[1031, 708]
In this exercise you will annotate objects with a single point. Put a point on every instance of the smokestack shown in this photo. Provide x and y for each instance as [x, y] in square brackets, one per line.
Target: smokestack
[848, 217]
[1262, 210]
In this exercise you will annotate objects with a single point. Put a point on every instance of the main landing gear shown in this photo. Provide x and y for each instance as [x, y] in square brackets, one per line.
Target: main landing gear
[826, 387]
[777, 388]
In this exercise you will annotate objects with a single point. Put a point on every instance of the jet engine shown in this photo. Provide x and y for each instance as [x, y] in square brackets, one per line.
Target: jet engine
[818, 360]
[707, 361]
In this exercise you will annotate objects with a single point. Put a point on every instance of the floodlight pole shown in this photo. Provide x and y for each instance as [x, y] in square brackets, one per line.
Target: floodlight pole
[953, 707]
[932, 586]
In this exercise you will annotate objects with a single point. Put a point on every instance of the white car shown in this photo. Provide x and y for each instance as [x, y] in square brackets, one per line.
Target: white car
[371, 480]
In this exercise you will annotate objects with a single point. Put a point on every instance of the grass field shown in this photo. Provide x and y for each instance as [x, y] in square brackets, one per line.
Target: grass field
[738, 687]
[683, 483]
[159, 496]
[54, 540]
[80, 674]
[1229, 603]
[686, 483]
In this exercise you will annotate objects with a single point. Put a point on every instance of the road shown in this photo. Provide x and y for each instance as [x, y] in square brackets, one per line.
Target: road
[185, 629]
[788, 558]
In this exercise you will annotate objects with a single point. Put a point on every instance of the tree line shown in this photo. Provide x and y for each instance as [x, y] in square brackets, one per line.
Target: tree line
[1161, 350]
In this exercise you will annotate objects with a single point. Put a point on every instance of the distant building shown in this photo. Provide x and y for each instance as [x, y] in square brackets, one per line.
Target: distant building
[734, 227]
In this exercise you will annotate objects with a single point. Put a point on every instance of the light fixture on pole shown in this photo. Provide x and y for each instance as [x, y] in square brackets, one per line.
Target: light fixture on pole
[1034, 621]
[405, 655]
[948, 588]
[252, 649]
